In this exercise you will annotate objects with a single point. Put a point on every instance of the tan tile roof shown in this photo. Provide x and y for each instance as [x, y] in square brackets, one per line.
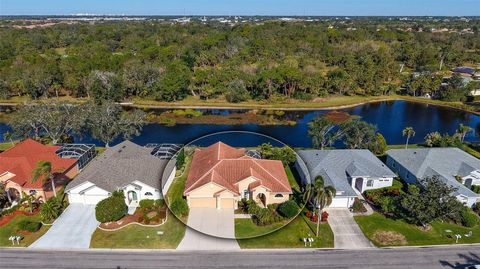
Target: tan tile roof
[226, 166]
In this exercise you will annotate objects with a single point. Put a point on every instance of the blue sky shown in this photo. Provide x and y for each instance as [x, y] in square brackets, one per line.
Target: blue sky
[244, 7]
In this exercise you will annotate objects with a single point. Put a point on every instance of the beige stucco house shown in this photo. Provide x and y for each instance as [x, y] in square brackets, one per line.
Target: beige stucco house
[220, 176]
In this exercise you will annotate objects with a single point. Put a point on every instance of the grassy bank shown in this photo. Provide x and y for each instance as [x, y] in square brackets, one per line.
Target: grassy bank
[383, 232]
[331, 102]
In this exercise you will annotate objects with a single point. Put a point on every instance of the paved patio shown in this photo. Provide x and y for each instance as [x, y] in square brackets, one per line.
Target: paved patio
[72, 230]
[347, 233]
[210, 229]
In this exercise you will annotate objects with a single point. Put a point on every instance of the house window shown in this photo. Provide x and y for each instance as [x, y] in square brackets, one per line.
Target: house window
[369, 183]
[148, 194]
[246, 194]
[32, 192]
[278, 195]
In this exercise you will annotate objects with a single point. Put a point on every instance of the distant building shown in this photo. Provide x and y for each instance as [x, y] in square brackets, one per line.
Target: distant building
[464, 70]
[453, 166]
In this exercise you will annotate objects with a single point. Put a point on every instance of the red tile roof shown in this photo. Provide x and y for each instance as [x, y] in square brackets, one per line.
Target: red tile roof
[22, 159]
[226, 166]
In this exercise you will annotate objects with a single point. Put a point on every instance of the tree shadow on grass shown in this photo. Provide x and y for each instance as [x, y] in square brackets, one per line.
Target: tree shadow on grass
[469, 259]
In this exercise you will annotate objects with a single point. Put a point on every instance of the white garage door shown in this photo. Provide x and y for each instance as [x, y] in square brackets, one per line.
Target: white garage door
[339, 202]
[85, 199]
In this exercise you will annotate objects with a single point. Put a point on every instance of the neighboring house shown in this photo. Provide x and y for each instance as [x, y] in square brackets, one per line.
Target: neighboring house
[350, 171]
[127, 167]
[452, 165]
[220, 176]
[464, 70]
[18, 163]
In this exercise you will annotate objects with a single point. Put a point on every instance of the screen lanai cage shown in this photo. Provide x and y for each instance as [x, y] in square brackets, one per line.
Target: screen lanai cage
[164, 151]
[84, 153]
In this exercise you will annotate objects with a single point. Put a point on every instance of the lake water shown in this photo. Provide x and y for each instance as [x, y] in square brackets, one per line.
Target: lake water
[391, 118]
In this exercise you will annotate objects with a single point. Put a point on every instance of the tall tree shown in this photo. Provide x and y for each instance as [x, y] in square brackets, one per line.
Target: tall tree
[408, 132]
[54, 120]
[359, 134]
[321, 196]
[433, 200]
[324, 132]
[44, 170]
[107, 121]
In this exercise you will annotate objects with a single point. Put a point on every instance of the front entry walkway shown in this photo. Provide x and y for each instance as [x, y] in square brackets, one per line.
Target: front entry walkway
[210, 229]
[347, 234]
[72, 230]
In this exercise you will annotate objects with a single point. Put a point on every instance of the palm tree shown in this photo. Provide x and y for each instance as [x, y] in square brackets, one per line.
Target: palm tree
[8, 136]
[463, 130]
[44, 170]
[322, 196]
[408, 132]
[50, 209]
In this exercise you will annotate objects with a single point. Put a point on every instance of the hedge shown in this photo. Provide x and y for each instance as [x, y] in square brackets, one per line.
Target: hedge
[469, 219]
[111, 209]
[146, 203]
[288, 209]
[30, 226]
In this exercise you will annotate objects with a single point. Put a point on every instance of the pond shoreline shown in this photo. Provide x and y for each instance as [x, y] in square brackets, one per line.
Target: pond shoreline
[305, 106]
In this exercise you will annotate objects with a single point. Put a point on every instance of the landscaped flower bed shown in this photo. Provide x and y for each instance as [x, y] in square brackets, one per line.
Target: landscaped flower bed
[19, 211]
[314, 217]
[150, 213]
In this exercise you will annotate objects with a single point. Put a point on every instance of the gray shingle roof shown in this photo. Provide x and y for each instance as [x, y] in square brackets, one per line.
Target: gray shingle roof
[443, 162]
[121, 165]
[336, 165]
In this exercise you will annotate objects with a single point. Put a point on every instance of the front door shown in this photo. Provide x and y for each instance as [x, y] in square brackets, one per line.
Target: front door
[132, 197]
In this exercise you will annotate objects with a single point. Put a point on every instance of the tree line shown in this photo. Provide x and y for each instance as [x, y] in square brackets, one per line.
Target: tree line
[272, 60]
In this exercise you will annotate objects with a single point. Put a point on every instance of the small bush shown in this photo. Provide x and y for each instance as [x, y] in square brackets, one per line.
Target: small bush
[179, 207]
[111, 209]
[30, 226]
[476, 188]
[288, 209]
[160, 202]
[358, 206]
[469, 219]
[324, 216]
[476, 208]
[146, 203]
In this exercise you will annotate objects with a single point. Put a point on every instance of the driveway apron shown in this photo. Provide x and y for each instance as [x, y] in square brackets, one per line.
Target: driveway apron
[347, 233]
[72, 230]
[210, 229]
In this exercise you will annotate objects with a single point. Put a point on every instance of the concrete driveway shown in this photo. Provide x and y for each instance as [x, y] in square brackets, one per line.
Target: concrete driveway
[210, 229]
[347, 234]
[72, 230]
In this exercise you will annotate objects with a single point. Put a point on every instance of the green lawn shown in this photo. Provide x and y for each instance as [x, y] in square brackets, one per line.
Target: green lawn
[290, 236]
[245, 228]
[178, 184]
[413, 235]
[10, 229]
[136, 236]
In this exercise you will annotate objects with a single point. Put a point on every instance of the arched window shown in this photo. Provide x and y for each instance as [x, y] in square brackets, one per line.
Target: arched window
[148, 194]
[32, 192]
[278, 195]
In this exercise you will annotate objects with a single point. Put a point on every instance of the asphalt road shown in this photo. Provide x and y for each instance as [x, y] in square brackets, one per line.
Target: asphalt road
[444, 257]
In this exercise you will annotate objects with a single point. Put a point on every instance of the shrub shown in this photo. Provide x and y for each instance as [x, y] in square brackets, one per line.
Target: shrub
[476, 188]
[30, 226]
[469, 219]
[179, 207]
[288, 209]
[119, 194]
[309, 214]
[160, 202]
[111, 209]
[324, 216]
[358, 206]
[266, 216]
[476, 208]
[146, 203]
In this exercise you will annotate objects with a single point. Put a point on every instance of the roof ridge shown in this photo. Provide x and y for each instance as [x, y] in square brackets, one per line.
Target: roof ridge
[279, 181]
[205, 174]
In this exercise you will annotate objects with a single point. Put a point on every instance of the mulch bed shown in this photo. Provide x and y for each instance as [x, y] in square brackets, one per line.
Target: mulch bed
[138, 215]
[5, 219]
[389, 238]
